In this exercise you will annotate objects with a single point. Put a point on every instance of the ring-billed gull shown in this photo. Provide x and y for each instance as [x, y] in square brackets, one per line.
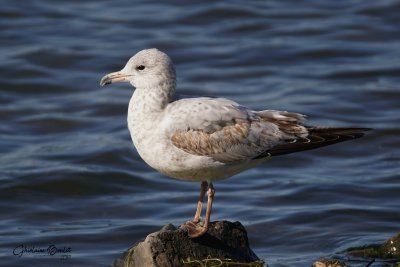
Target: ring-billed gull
[207, 139]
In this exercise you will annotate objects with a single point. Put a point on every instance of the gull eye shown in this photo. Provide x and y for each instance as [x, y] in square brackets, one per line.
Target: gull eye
[140, 67]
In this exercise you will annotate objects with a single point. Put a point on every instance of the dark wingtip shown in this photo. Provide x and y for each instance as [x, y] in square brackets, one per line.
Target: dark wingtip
[343, 133]
[367, 129]
[340, 129]
[362, 131]
[318, 137]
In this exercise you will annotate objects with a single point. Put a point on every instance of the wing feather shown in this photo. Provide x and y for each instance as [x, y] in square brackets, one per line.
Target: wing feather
[229, 133]
[317, 137]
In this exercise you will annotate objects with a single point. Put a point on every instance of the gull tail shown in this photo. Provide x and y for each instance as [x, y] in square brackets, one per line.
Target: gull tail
[318, 137]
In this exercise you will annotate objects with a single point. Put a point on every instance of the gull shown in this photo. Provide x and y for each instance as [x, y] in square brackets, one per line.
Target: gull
[207, 139]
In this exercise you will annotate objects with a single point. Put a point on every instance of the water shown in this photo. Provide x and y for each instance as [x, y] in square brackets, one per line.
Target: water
[69, 173]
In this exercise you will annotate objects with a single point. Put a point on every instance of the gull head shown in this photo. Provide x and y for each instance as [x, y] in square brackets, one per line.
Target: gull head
[149, 68]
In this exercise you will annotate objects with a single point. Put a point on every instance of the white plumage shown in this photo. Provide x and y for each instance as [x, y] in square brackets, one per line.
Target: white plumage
[207, 139]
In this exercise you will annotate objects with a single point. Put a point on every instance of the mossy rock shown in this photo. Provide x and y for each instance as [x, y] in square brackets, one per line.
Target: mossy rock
[214, 262]
[390, 249]
[324, 262]
[224, 244]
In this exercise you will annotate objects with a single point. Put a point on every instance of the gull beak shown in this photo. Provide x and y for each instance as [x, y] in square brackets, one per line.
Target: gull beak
[114, 77]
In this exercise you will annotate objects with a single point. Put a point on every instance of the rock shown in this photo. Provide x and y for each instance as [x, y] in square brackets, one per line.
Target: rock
[390, 249]
[323, 262]
[169, 247]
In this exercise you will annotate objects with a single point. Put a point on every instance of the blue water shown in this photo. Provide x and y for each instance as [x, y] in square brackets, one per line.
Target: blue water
[70, 176]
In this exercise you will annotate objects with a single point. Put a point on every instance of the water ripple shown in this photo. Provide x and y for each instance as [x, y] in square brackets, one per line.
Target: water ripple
[70, 175]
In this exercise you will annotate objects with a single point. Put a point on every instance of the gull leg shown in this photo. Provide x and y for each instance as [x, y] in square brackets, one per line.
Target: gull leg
[197, 230]
[203, 190]
[211, 193]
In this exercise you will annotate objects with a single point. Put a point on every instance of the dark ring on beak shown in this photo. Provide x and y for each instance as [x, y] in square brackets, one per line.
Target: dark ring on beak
[114, 77]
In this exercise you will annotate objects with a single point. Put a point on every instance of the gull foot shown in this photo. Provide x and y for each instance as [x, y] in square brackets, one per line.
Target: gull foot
[194, 229]
[195, 220]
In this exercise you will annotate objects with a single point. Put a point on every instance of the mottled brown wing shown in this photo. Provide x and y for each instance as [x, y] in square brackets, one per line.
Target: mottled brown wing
[231, 143]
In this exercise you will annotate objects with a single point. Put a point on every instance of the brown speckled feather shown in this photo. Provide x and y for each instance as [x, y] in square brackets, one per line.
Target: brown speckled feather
[267, 133]
[241, 139]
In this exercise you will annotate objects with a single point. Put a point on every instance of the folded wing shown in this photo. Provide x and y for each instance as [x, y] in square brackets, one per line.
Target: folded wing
[231, 133]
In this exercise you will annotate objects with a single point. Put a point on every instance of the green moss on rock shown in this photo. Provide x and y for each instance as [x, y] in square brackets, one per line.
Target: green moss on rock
[214, 262]
[390, 249]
